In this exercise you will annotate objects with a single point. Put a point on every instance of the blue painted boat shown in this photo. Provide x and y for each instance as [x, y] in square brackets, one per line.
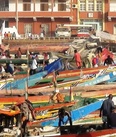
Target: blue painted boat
[99, 79]
[21, 83]
[76, 114]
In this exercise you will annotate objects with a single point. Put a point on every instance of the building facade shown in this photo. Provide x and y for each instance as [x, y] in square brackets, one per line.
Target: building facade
[35, 15]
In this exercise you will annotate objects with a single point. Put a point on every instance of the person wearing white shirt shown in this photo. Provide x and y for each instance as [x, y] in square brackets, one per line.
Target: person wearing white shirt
[33, 66]
[2, 71]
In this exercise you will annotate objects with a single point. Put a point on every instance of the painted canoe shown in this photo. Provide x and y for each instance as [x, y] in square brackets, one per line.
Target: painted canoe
[98, 80]
[7, 100]
[38, 48]
[63, 83]
[4, 81]
[94, 78]
[101, 89]
[75, 114]
[9, 112]
[67, 73]
[21, 83]
[78, 72]
[51, 109]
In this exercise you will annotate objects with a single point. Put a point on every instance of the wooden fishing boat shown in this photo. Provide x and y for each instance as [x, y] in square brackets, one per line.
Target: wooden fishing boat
[65, 73]
[60, 83]
[82, 90]
[39, 48]
[73, 81]
[50, 110]
[21, 83]
[79, 72]
[96, 94]
[4, 81]
[98, 80]
[7, 100]
[75, 115]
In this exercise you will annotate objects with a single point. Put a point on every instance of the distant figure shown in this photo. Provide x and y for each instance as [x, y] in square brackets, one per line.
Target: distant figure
[77, 58]
[19, 53]
[9, 35]
[106, 109]
[9, 69]
[41, 35]
[94, 61]
[13, 35]
[29, 35]
[5, 35]
[33, 66]
[11, 65]
[46, 58]
[54, 80]
[99, 50]
[109, 61]
[68, 66]
[62, 113]
[112, 118]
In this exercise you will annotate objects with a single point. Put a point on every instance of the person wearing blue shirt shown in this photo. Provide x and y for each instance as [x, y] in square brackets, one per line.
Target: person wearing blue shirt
[9, 69]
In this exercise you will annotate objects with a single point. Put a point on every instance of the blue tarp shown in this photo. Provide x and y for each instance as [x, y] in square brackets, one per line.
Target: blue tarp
[54, 66]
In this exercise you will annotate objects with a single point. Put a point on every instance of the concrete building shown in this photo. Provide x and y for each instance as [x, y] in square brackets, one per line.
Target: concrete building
[35, 15]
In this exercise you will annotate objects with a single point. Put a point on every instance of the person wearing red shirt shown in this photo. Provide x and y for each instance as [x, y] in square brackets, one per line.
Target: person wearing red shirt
[77, 58]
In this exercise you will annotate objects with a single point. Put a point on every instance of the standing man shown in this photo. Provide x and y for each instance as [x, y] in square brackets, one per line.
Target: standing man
[77, 58]
[33, 66]
[108, 61]
[106, 109]
[62, 113]
[112, 119]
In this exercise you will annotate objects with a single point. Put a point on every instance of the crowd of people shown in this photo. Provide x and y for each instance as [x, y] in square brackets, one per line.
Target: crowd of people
[9, 35]
[96, 59]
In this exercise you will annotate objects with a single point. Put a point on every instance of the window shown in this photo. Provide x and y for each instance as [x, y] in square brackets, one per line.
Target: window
[28, 28]
[82, 5]
[61, 5]
[44, 5]
[113, 5]
[4, 5]
[90, 5]
[26, 5]
[99, 5]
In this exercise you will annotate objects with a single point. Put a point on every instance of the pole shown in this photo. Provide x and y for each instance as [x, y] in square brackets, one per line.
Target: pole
[26, 84]
[71, 95]
[17, 15]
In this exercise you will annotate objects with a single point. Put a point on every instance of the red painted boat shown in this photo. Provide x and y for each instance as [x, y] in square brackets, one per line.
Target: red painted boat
[16, 99]
[38, 48]
[78, 72]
